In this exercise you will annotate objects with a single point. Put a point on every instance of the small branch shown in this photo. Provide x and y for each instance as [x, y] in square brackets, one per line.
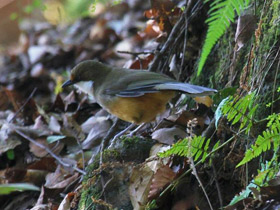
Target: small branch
[105, 185]
[135, 53]
[59, 160]
[175, 35]
[218, 187]
[155, 64]
[194, 171]
[23, 105]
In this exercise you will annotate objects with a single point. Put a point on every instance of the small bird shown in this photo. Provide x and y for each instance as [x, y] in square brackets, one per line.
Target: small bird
[136, 96]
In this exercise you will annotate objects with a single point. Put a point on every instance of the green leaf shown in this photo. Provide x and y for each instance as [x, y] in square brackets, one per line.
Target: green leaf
[51, 139]
[28, 9]
[10, 154]
[221, 14]
[13, 16]
[9, 188]
[244, 194]
[218, 112]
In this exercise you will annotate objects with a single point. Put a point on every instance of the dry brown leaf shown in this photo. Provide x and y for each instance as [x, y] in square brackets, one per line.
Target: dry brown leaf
[206, 100]
[143, 63]
[13, 175]
[41, 152]
[46, 164]
[60, 179]
[246, 26]
[140, 180]
[65, 204]
[58, 105]
[161, 178]
[152, 29]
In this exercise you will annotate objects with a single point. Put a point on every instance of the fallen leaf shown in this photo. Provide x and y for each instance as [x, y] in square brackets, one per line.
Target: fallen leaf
[65, 204]
[246, 26]
[206, 100]
[168, 135]
[41, 152]
[60, 179]
[163, 176]
[139, 187]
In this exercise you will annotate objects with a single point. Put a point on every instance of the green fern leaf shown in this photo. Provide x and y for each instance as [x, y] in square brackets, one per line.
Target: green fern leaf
[262, 144]
[189, 147]
[221, 14]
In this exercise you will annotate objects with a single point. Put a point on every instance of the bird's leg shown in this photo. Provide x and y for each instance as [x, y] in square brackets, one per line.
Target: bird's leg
[136, 129]
[120, 134]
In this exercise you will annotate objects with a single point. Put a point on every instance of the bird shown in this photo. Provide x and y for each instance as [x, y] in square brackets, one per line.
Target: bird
[135, 96]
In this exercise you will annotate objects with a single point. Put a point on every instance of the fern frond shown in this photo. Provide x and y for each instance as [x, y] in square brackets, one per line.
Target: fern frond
[240, 110]
[262, 144]
[221, 14]
[195, 147]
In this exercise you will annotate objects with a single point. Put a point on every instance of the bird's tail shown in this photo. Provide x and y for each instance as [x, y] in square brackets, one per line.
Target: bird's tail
[191, 90]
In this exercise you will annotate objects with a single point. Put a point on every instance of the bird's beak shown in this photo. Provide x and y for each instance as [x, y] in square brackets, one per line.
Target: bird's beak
[67, 83]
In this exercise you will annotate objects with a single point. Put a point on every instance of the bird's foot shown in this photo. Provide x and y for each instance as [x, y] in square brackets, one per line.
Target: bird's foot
[113, 143]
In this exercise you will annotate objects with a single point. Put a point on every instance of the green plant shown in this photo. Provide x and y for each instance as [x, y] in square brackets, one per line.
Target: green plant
[222, 13]
[240, 110]
[195, 147]
[28, 9]
[270, 137]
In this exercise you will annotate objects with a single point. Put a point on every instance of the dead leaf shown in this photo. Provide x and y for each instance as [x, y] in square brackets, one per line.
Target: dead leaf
[65, 204]
[54, 125]
[58, 105]
[70, 101]
[8, 140]
[46, 164]
[41, 152]
[99, 127]
[161, 178]
[142, 63]
[152, 29]
[246, 26]
[206, 100]
[168, 135]
[139, 187]
[60, 179]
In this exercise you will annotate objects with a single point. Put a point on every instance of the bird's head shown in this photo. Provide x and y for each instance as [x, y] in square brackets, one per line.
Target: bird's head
[87, 71]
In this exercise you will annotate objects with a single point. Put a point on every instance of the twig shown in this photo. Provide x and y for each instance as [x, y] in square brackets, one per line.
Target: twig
[185, 39]
[105, 185]
[274, 83]
[155, 64]
[194, 171]
[175, 35]
[67, 165]
[218, 186]
[135, 53]
[23, 105]
[191, 124]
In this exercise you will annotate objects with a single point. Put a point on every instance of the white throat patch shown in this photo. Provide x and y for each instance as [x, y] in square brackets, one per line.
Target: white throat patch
[86, 87]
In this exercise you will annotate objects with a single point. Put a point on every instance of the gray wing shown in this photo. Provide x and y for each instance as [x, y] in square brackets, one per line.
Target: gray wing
[133, 85]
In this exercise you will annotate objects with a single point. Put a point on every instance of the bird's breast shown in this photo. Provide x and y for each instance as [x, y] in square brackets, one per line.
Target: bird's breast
[137, 109]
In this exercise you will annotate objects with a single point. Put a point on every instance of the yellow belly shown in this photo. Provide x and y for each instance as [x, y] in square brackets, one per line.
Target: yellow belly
[140, 109]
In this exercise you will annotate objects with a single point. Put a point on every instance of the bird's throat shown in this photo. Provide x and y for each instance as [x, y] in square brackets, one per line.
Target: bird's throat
[86, 87]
